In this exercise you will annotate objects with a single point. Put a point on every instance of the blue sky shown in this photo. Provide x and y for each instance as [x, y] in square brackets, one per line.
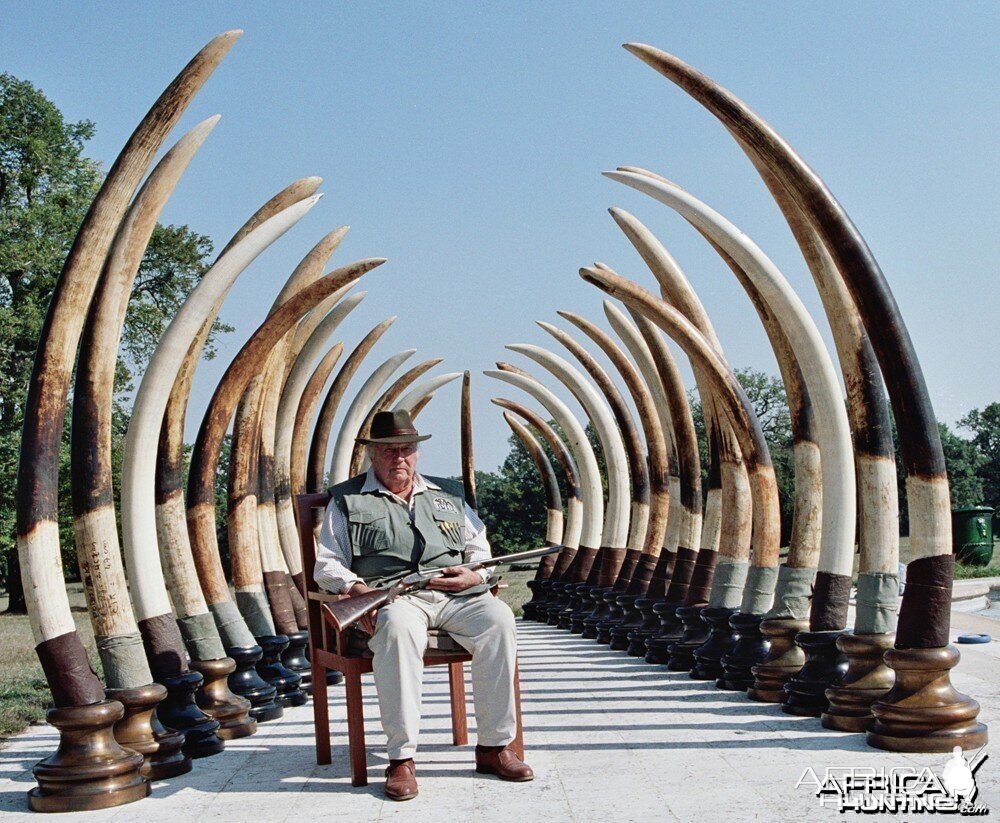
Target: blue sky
[465, 142]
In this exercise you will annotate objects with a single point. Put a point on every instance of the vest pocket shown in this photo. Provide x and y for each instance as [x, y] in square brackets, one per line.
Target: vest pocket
[452, 528]
[368, 533]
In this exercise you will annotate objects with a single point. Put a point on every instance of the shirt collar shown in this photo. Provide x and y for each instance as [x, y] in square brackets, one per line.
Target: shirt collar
[373, 484]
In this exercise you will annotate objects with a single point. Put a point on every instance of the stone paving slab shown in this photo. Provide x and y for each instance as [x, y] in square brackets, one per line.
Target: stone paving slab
[610, 738]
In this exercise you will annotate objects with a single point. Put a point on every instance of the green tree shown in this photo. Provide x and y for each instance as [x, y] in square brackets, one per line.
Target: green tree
[985, 428]
[46, 186]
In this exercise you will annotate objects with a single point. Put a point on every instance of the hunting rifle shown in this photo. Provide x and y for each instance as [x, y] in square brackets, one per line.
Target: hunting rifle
[350, 610]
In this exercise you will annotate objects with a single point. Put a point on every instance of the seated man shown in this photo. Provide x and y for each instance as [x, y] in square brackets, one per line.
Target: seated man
[392, 521]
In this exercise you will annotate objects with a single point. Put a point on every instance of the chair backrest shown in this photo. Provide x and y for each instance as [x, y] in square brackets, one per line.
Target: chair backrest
[306, 506]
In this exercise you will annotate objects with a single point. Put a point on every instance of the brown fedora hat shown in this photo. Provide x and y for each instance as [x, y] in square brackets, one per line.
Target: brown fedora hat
[393, 427]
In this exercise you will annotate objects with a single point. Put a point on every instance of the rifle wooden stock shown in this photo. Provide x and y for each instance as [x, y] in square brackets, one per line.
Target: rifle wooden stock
[347, 612]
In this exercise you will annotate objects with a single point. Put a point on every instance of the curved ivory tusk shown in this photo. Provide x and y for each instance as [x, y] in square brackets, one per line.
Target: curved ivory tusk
[204, 456]
[409, 400]
[420, 405]
[763, 488]
[853, 260]
[804, 550]
[839, 490]
[878, 535]
[95, 527]
[553, 499]
[258, 567]
[591, 492]
[468, 459]
[728, 490]
[388, 397]
[727, 518]
[324, 424]
[293, 395]
[616, 517]
[640, 352]
[355, 414]
[659, 468]
[63, 657]
[305, 413]
[177, 562]
[635, 459]
[573, 522]
[138, 470]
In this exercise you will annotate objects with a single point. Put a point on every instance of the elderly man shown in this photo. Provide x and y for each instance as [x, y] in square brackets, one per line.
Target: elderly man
[392, 521]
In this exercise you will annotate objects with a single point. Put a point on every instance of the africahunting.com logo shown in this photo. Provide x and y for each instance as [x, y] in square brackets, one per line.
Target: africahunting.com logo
[900, 789]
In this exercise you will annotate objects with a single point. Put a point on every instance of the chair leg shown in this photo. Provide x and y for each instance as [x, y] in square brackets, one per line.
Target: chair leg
[459, 715]
[321, 715]
[517, 744]
[355, 726]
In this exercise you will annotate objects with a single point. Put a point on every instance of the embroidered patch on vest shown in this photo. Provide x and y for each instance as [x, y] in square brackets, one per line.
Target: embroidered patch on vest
[443, 504]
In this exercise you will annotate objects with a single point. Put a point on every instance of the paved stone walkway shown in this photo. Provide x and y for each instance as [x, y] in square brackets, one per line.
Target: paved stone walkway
[610, 739]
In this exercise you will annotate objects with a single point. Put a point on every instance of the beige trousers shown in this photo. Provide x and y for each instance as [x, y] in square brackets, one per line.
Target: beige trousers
[480, 623]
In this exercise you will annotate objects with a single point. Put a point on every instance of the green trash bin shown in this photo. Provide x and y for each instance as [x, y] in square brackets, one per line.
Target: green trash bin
[972, 535]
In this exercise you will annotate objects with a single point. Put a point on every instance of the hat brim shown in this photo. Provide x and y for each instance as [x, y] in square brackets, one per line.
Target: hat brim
[401, 438]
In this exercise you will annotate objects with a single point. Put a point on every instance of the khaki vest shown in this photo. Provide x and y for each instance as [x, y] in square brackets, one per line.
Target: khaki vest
[386, 543]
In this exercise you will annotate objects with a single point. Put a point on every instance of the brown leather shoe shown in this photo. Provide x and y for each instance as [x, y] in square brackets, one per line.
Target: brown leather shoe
[401, 780]
[502, 762]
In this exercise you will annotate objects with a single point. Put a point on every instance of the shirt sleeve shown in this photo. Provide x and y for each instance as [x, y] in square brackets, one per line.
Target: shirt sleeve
[477, 547]
[333, 553]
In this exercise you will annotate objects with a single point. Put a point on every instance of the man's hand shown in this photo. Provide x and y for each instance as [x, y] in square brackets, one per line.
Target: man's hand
[367, 622]
[455, 579]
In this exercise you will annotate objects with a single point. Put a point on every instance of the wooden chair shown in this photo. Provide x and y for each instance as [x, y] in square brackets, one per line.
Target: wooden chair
[330, 650]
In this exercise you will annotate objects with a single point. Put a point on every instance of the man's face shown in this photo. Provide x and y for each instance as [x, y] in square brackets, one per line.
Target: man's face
[394, 464]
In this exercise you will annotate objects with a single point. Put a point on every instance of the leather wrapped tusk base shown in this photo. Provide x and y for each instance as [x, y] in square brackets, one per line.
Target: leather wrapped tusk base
[141, 731]
[89, 770]
[867, 679]
[218, 702]
[784, 659]
[923, 712]
[805, 691]
[245, 682]
[180, 711]
[750, 649]
[708, 656]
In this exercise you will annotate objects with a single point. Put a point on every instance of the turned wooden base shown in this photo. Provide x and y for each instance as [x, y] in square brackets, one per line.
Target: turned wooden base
[529, 611]
[294, 657]
[750, 649]
[647, 628]
[141, 731]
[696, 632]
[630, 621]
[218, 702]
[615, 616]
[867, 679]
[708, 656]
[922, 711]
[805, 691]
[783, 659]
[670, 631]
[599, 613]
[245, 682]
[180, 711]
[584, 601]
[270, 667]
[89, 770]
